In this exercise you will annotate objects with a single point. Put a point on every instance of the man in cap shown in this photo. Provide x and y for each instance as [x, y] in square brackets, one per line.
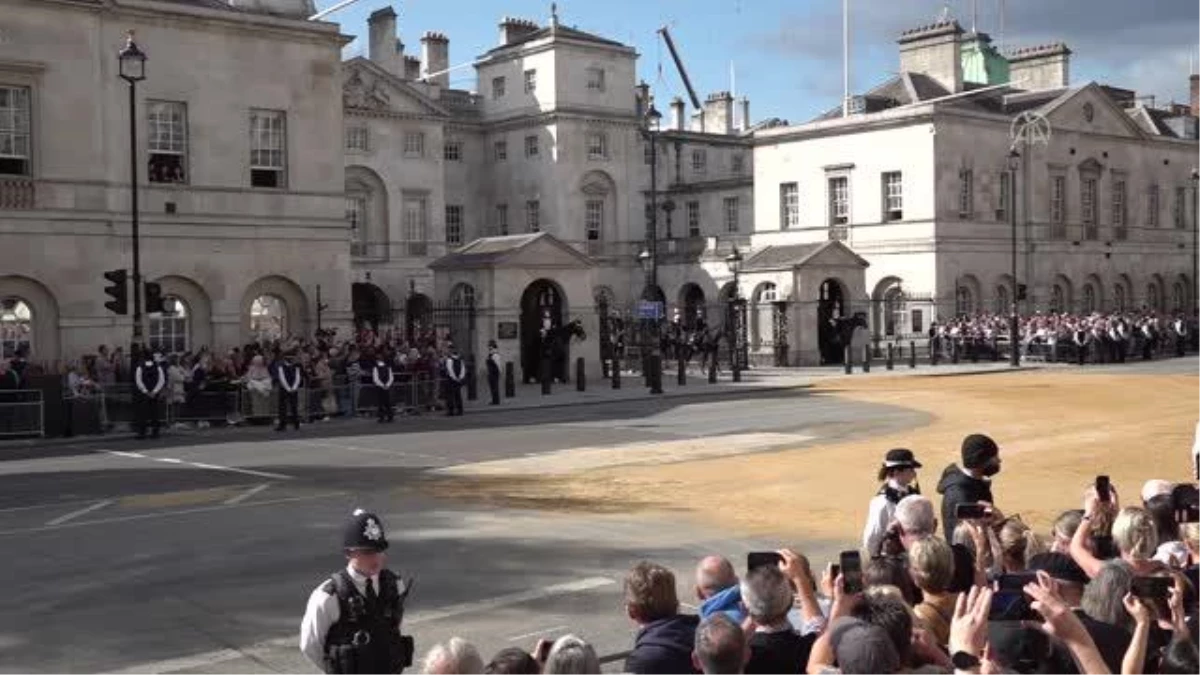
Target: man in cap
[899, 477]
[971, 483]
[352, 622]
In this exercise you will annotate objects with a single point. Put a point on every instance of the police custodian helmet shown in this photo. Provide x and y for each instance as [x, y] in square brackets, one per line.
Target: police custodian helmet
[364, 531]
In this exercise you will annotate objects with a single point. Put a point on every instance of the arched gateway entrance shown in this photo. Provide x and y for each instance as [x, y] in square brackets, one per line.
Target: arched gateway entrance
[543, 308]
[830, 306]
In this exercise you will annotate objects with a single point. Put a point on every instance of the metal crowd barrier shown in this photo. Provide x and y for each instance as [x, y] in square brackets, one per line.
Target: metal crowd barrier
[22, 413]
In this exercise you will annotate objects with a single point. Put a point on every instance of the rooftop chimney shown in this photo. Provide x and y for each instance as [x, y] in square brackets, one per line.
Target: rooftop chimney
[934, 51]
[678, 123]
[1194, 100]
[1041, 67]
[512, 30]
[718, 113]
[745, 102]
[383, 48]
[412, 68]
[435, 59]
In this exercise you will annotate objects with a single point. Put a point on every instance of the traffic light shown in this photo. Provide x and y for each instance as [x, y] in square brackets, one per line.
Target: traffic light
[154, 299]
[118, 291]
[1020, 291]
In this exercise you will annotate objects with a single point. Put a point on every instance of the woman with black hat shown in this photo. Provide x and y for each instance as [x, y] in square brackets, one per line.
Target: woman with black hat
[898, 473]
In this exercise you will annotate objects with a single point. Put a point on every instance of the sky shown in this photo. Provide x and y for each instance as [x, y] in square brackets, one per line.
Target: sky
[785, 55]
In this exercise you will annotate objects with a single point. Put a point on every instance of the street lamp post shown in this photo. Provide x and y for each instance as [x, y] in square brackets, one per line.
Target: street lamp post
[133, 70]
[737, 344]
[649, 259]
[1195, 236]
[1014, 161]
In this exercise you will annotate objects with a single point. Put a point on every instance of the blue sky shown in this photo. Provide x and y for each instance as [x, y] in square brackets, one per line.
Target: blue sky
[787, 53]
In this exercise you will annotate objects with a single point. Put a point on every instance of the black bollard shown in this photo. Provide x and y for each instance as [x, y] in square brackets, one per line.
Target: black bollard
[472, 385]
[510, 380]
[890, 356]
[616, 373]
[995, 349]
[954, 352]
[604, 369]
[866, 359]
[712, 371]
[974, 352]
[912, 354]
[681, 378]
[544, 374]
[849, 359]
[934, 349]
[580, 382]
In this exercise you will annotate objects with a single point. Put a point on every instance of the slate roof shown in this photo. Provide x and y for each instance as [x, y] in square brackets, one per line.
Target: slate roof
[488, 251]
[206, 4]
[780, 257]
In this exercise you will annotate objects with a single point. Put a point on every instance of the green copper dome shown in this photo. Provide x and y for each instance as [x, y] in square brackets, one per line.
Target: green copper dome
[981, 63]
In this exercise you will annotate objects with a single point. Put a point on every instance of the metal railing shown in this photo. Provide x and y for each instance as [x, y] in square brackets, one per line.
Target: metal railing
[22, 413]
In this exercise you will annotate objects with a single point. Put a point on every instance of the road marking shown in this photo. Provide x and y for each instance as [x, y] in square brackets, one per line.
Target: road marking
[238, 499]
[13, 509]
[205, 661]
[75, 514]
[526, 636]
[198, 465]
[165, 514]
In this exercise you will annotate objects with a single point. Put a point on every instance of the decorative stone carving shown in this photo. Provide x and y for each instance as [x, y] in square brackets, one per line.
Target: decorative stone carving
[357, 93]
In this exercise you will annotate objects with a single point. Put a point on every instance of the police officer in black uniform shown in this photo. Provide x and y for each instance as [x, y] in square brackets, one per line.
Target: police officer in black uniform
[493, 371]
[149, 378]
[290, 378]
[383, 377]
[352, 622]
[456, 374]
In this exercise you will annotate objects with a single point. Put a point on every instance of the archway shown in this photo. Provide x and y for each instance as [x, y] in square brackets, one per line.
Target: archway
[367, 212]
[966, 295]
[762, 308]
[694, 313]
[887, 311]
[170, 332]
[192, 315]
[370, 305]
[418, 320]
[1123, 293]
[268, 318]
[543, 307]
[16, 327]
[43, 315]
[1093, 295]
[274, 305]
[831, 304]
[1062, 295]
[1179, 294]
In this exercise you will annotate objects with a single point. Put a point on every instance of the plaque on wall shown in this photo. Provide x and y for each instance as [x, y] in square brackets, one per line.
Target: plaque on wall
[507, 330]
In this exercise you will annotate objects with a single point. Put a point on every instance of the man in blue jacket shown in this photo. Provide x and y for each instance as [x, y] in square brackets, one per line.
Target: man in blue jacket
[666, 638]
[717, 589]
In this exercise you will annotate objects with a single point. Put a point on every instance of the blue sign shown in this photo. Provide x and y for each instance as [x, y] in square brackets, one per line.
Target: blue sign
[650, 310]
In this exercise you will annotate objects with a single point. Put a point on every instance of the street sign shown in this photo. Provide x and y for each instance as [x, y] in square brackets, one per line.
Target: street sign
[648, 309]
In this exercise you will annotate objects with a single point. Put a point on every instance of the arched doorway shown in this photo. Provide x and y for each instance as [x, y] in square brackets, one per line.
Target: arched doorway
[691, 299]
[370, 305]
[268, 318]
[418, 320]
[543, 307]
[830, 306]
[169, 331]
[16, 328]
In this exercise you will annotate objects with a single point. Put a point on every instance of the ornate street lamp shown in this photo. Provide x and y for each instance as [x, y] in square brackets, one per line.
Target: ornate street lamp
[132, 68]
[737, 347]
[1014, 163]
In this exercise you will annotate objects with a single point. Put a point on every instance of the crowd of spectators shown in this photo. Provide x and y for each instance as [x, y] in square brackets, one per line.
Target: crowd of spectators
[1109, 588]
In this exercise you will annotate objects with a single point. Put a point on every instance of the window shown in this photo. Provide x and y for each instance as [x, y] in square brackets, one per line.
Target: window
[16, 327]
[693, 219]
[737, 164]
[1002, 307]
[414, 144]
[1152, 207]
[531, 146]
[651, 226]
[839, 200]
[595, 79]
[502, 219]
[530, 81]
[1058, 299]
[1119, 297]
[497, 87]
[1087, 208]
[500, 150]
[893, 196]
[597, 145]
[533, 215]
[731, 214]
[268, 318]
[1118, 211]
[416, 224]
[1152, 299]
[594, 219]
[454, 225]
[169, 330]
[1005, 196]
[1179, 211]
[1178, 297]
[699, 162]
[1058, 203]
[918, 321]
[1089, 299]
[14, 132]
[463, 295]
[356, 138]
[267, 142]
[166, 130]
[789, 206]
[356, 211]
[966, 193]
[893, 313]
[452, 151]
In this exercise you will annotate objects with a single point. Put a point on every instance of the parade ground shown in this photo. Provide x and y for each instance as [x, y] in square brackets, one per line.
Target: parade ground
[196, 553]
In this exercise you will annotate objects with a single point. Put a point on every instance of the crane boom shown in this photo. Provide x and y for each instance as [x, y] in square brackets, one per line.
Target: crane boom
[687, 82]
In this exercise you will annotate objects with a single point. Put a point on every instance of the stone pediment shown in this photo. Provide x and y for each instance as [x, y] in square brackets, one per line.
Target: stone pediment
[366, 86]
[1089, 110]
[516, 251]
[828, 254]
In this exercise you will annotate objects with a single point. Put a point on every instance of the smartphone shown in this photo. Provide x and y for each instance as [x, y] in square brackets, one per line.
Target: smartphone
[1011, 606]
[851, 569]
[1104, 489]
[1151, 588]
[757, 559]
[969, 511]
[1015, 582]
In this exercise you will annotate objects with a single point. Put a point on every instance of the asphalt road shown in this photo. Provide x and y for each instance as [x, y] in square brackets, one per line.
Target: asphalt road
[197, 553]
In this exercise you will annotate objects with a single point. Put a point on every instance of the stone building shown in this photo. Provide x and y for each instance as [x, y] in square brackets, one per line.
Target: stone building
[241, 177]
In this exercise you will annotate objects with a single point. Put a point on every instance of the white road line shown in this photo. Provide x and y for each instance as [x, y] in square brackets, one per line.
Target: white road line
[123, 454]
[198, 465]
[207, 660]
[33, 507]
[238, 499]
[165, 514]
[75, 514]
[169, 460]
[526, 636]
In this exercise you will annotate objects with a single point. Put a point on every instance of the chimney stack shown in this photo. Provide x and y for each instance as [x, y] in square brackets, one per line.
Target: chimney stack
[512, 29]
[1041, 67]
[383, 46]
[412, 68]
[718, 113]
[934, 51]
[677, 119]
[745, 102]
[1194, 100]
[435, 59]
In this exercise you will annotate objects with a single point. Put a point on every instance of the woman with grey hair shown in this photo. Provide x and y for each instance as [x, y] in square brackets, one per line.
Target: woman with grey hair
[1133, 532]
[571, 654]
[775, 647]
[1103, 596]
[455, 657]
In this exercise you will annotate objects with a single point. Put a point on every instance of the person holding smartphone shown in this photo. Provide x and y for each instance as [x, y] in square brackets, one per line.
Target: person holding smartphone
[972, 482]
[898, 473]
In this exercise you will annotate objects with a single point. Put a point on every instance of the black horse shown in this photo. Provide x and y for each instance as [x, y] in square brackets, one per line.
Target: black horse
[843, 332]
[556, 346]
